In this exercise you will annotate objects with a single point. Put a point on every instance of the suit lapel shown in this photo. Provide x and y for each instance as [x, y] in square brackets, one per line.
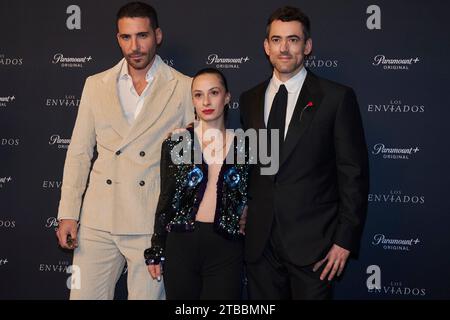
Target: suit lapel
[160, 92]
[112, 108]
[257, 111]
[302, 117]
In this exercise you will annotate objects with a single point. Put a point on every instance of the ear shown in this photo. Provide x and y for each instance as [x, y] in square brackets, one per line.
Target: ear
[266, 46]
[159, 36]
[308, 47]
[227, 98]
[118, 37]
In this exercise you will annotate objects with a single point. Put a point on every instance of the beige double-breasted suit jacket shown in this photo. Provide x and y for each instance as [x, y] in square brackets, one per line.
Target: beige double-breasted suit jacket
[120, 192]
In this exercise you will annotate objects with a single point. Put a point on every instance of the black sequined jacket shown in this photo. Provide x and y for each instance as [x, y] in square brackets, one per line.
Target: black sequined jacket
[183, 186]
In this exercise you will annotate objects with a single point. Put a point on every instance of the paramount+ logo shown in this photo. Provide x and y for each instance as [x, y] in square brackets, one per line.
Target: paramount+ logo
[226, 62]
[5, 100]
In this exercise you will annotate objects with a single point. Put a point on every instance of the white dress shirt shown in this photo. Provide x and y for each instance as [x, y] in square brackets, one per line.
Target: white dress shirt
[293, 86]
[130, 101]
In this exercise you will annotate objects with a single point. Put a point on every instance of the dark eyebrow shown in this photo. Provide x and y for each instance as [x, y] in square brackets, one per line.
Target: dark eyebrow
[289, 36]
[129, 35]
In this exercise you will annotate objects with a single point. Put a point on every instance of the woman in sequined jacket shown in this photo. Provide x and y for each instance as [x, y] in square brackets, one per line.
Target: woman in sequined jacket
[204, 171]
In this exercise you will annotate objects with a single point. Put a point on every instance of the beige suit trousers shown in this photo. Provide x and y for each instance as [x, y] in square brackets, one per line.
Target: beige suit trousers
[101, 257]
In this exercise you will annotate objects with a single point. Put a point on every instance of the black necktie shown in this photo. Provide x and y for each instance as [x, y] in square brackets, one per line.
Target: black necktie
[277, 116]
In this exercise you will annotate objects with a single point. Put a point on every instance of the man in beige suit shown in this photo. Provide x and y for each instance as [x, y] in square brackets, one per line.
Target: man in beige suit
[125, 112]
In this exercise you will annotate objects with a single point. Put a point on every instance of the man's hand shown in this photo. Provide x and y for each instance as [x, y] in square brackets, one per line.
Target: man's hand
[337, 258]
[155, 271]
[67, 227]
[243, 220]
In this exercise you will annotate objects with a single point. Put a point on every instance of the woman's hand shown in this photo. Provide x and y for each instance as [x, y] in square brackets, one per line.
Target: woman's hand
[155, 271]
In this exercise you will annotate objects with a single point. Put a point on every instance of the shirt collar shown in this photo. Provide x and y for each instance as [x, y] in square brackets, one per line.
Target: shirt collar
[150, 73]
[292, 85]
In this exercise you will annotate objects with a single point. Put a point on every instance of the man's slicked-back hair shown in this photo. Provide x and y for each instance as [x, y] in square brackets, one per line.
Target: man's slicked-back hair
[287, 14]
[217, 72]
[139, 10]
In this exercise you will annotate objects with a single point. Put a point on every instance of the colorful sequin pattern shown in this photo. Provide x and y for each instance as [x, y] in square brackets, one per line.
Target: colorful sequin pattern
[182, 189]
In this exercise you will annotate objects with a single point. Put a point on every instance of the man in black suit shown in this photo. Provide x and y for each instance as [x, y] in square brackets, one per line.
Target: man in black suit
[305, 221]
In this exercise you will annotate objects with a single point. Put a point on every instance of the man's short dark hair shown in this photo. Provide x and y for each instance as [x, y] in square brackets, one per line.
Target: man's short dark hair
[287, 14]
[139, 10]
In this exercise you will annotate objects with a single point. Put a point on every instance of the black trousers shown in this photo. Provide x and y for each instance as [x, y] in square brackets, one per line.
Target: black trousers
[274, 277]
[202, 265]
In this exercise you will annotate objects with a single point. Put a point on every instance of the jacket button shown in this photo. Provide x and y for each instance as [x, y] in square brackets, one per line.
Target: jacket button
[142, 153]
[142, 183]
[118, 152]
[108, 181]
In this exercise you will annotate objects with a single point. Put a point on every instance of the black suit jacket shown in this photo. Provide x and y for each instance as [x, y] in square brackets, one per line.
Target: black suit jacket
[320, 191]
